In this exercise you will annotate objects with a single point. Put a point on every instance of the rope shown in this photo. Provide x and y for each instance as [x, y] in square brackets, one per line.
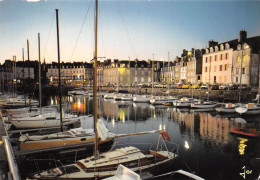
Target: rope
[49, 34]
[80, 31]
[127, 32]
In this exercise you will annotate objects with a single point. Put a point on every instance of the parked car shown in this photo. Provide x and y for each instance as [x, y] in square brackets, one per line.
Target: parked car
[179, 85]
[223, 87]
[233, 87]
[244, 87]
[204, 86]
[173, 86]
[195, 86]
[215, 87]
[186, 86]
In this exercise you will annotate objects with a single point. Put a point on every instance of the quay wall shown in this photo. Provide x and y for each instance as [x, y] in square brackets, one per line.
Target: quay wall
[216, 95]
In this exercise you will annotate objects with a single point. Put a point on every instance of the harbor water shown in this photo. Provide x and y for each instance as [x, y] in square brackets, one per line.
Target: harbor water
[206, 146]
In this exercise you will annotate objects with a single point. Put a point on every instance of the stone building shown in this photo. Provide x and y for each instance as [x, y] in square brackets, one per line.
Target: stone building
[71, 73]
[222, 61]
[128, 72]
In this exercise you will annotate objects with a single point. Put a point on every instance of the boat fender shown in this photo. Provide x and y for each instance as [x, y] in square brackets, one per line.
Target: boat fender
[165, 135]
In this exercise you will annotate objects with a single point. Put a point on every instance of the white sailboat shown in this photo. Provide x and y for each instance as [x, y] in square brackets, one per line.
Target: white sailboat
[248, 109]
[227, 108]
[160, 100]
[43, 120]
[184, 102]
[204, 105]
[141, 98]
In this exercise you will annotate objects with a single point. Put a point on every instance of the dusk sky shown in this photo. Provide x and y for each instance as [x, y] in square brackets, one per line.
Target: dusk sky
[127, 28]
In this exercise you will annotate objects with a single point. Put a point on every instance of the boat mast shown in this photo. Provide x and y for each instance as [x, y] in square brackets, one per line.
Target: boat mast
[152, 74]
[241, 59]
[58, 47]
[13, 74]
[23, 77]
[39, 66]
[129, 76]
[28, 54]
[95, 79]
[168, 73]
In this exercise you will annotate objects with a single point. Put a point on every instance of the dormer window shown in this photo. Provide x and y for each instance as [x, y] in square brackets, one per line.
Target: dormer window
[221, 47]
[227, 46]
[216, 48]
[211, 50]
[239, 47]
[207, 51]
[245, 46]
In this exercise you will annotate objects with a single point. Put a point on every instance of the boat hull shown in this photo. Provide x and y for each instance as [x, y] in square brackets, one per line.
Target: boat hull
[203, 106]
[42, 123]
[50, 143]
[225, 110]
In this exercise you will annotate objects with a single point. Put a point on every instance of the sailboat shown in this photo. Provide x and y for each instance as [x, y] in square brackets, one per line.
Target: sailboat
[227, 108]
[105, 164]
[248, 109]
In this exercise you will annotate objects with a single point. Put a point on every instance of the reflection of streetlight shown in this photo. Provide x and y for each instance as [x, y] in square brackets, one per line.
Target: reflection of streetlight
[113, 122]
[242, 145]
[186, 145]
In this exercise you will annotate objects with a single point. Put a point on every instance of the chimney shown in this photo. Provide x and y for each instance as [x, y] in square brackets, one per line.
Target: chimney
[212, 43]
[242, 35]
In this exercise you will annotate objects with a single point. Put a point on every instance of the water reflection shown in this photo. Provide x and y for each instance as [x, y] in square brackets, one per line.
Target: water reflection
[204, 136]
[242, 145]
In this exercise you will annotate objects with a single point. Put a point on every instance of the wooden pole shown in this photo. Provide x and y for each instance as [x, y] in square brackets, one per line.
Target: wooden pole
[59, 66]
[95, 80]
[39, 67]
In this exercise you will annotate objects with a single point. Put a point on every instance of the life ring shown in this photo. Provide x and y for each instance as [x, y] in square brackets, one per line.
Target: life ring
[165, 135]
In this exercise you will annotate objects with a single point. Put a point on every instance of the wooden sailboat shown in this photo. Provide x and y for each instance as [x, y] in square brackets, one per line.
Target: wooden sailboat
[105, 164]
[71, 137]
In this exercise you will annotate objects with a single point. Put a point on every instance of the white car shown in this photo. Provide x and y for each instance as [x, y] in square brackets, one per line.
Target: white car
[204, 86]
[223, 87]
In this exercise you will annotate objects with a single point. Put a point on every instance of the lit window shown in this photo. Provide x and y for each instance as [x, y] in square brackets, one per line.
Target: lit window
[238, 59]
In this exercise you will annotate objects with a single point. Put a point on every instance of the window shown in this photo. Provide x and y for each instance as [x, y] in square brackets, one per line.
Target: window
[206, 69]
[210, 59]
[216, 57]
[220, 68]
[244, 59]
[206, 59]
[237, 71]
[226, 55]
[238, 59]
[221, 56]
[236, 79]
[225, 67]
[243, 70]
[215, 79]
